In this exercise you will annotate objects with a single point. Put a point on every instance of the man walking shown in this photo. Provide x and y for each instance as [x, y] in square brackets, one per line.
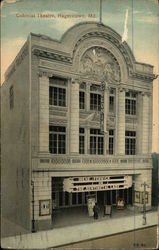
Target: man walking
[95, 210]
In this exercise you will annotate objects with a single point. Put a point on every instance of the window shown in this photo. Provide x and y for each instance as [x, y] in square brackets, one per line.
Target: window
[130, 103]
[130, 142]
[95, 102]
[57, 96]
[111, 142]
[57, 140]
[111, 103]
[111, 100]
[81, 141]
[82, 100]
[11, 97]
[96, 142]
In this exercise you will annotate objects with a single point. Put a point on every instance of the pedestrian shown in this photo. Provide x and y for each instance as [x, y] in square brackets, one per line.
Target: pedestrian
[95, 210]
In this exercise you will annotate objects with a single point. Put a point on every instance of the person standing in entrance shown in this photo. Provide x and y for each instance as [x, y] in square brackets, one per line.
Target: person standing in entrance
[95, 210]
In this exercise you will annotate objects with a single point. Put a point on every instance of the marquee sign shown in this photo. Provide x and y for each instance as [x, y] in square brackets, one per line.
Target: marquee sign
[96, 183]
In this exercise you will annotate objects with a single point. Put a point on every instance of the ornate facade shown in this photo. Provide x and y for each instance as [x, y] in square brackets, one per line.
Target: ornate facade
[88, 115]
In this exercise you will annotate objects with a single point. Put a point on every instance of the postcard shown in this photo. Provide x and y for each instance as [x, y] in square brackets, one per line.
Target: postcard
[79, 124]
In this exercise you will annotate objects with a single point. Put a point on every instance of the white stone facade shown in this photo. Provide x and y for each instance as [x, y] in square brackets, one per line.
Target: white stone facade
[88, 55]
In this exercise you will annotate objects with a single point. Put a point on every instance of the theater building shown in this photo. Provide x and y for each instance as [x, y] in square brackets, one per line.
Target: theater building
[77, 121]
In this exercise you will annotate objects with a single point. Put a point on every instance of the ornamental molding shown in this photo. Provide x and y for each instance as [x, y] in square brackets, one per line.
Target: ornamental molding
[110, 122]
[54, 113]
[76, 80]
[43, 73]
[143, 77]
[143, 93]
[122, 89]
[99, 64]
[131, 120]
[57, 56]
[58, 122]
[123, 48]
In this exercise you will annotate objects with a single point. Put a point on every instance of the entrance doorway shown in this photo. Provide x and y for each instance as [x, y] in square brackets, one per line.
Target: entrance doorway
[100, 198]
[61, 199]
[112, 195]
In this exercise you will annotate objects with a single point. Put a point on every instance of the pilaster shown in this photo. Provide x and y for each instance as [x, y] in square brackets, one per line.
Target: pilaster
[145, 116]
[150, 123]
[74, 117]
[116, 123]
[106, 107]
[43, 112]
[121, 122]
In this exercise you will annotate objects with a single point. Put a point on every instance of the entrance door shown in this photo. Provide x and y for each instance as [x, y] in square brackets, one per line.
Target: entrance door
[114, 192]
[112, 195]
[100, 198]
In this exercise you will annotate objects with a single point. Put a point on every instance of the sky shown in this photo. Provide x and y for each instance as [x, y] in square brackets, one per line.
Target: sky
[142, 25]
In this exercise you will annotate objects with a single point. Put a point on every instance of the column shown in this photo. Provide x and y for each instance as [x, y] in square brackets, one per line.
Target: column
[42, 206]
[68, 131]
[150, 123]
[145, 116]
[106, 106]
[139, 124]
[74, 118]
[43, 113]
[116, 122]
[106, 111]
[121, 123]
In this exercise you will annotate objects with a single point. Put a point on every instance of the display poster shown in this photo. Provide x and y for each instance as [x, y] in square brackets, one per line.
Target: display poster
[90, 204]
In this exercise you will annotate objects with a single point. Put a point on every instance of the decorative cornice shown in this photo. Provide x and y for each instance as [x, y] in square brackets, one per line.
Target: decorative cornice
[143, 77]
[40, 52]
[43, 73]
[76, 80]
[144, 93]
[122, 89]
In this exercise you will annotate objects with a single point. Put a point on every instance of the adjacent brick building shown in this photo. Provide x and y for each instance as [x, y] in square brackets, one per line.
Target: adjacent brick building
[77, 120]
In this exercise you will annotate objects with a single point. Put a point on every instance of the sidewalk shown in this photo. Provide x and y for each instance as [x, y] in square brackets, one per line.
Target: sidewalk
[9, 228]
[76, 233]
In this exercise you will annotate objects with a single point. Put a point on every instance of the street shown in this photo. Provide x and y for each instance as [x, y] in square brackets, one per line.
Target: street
[144, 238]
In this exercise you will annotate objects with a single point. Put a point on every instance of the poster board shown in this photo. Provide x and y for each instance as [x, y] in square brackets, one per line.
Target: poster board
[108, 210]
[120, 204]
[90, 204]
[139, 197]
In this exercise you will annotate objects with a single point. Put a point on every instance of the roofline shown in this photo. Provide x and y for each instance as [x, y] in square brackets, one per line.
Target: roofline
[16, 58]
[45, 37]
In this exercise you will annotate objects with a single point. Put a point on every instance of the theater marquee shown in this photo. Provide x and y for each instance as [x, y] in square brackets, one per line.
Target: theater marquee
[96, 183]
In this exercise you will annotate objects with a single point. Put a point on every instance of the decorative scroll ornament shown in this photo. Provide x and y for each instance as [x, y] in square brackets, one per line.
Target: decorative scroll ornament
[99, 64]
